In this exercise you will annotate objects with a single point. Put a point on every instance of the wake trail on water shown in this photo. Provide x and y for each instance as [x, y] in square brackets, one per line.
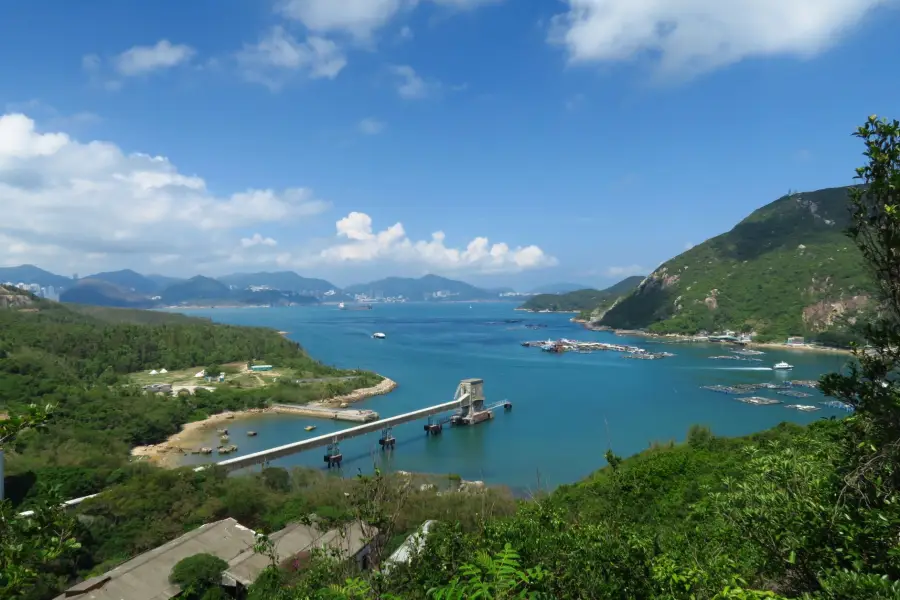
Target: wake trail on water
[744, 369]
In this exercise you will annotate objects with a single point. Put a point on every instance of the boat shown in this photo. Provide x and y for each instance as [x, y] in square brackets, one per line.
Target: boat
[782, 366]
[309, 427]
[251, 434]
[379, 336]
[342, 306]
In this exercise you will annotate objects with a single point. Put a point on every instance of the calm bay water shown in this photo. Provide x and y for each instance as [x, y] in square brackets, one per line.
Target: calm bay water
[567, 408]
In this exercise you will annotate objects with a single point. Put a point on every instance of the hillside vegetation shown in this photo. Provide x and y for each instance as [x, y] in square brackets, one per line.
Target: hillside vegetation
[81, 359]
[587, 300]
[787, 269]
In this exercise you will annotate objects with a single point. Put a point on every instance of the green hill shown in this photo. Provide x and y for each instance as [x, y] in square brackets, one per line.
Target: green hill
[787, 269]
[582, 300]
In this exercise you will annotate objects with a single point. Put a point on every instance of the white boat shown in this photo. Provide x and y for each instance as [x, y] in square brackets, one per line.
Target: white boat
[341, 306]
[783, 366]
[379, 336]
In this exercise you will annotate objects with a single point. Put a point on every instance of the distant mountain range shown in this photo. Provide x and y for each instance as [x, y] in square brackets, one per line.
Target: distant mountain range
[429, 287]
[583, 299]
[127, 288]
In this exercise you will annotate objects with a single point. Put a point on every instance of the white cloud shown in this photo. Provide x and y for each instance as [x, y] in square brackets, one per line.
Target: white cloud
[371, 126]
[145, 59]
[358, 18]
[278, 55]
[358, 243]
[409, 85]
[257, 240]
[693, 36]
[626, 271]
[75, 200]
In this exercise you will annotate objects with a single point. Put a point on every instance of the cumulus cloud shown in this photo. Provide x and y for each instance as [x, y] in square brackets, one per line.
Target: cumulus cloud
[278, 55]
[144, 59]
[257, 240]
[693, 36]
[627, 271]
[359, 243]
[370, 126]
[358, 18]
[76, 200]
[410, 86]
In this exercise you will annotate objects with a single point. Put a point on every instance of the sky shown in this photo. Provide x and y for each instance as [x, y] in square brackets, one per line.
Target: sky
[501, 142]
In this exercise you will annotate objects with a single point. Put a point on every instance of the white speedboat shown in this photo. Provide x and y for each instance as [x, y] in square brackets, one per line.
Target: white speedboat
[378, 336]
[783, 366]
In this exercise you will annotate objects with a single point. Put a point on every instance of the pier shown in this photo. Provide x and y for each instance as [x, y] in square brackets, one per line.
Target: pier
[355, 415]
[468, 402]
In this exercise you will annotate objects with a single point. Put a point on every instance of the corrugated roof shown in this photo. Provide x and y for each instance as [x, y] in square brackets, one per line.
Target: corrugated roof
[297, 538]
[146, 577]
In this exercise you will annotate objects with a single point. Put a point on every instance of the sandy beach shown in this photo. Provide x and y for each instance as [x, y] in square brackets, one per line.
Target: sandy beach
[169, 453]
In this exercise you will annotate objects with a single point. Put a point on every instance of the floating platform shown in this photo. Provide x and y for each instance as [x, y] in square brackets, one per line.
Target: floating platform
[758, 401]
[803, 407]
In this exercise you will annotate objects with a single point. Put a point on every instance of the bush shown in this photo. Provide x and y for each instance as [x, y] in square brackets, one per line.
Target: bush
[198, 573]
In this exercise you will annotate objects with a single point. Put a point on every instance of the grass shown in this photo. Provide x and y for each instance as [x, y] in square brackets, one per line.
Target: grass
[237, 375]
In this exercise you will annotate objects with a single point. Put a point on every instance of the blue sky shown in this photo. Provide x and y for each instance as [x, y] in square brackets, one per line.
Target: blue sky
[585, 139]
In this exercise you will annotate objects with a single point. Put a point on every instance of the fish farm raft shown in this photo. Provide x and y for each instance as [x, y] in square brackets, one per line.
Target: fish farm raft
[564, 345]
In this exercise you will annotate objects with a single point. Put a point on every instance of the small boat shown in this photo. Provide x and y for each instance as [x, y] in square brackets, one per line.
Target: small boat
[222, 431]
[782, 366]
[251, 434]
[379, 336]
[223, 438]
[309, 427]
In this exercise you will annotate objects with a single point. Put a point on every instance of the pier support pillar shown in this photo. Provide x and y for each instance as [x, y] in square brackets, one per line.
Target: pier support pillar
[333, 456]
[387, 440]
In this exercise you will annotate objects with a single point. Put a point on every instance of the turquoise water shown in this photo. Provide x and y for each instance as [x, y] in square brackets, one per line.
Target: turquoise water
[567, 408]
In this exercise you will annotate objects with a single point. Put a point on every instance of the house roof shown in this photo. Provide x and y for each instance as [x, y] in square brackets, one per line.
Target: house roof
[146, 577]
[293, 540]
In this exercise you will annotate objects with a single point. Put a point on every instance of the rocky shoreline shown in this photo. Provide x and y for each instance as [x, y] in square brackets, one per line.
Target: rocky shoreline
[686, 339]
[169, 452]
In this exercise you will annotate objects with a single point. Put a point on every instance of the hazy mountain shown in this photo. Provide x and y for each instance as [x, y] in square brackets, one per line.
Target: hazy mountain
[129, 280]
[287, 281]
[559, 288]
[195, 289]
[33, 274]
[429, 287]
[98, 292]
[583, 300]
[163, 281]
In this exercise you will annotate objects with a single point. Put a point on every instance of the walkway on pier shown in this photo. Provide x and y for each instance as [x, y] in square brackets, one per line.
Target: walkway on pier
[258, 458]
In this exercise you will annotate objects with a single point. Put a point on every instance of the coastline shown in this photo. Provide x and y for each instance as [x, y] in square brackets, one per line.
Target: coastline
[685, 339]
[168, 453]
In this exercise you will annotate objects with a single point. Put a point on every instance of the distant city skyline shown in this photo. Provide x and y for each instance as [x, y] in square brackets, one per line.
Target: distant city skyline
[354, 140]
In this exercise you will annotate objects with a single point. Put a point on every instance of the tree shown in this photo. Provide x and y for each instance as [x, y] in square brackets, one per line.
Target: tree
[28, 543]
[871, 384]
[198, 574]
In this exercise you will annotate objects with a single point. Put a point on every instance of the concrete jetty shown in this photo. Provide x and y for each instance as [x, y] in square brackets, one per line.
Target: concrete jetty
[354, 415]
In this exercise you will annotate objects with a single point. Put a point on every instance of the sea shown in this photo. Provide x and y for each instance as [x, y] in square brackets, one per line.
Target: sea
[568, 409]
